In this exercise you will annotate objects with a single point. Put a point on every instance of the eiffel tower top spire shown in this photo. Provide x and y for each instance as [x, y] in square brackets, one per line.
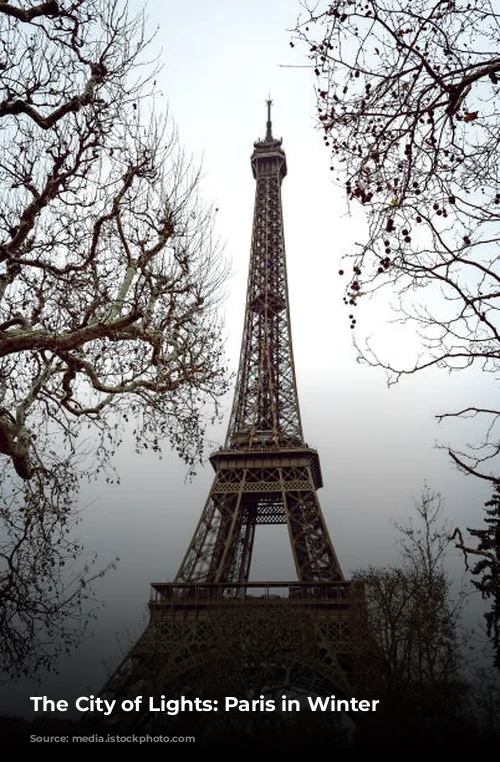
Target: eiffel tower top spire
[269, 126]
[269, 142]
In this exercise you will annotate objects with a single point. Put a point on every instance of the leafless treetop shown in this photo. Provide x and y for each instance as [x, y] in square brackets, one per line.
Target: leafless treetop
[407, 98]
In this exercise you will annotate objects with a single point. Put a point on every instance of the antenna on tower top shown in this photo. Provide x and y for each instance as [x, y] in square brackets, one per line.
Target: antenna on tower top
[269, 131]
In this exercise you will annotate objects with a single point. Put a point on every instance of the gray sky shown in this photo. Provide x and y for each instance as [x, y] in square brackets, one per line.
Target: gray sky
[377, 446]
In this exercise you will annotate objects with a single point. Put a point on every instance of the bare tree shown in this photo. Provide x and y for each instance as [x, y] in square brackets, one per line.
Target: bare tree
[410, 638]
[110, 278]
[46, 596]
[407, 100]
[110, 273]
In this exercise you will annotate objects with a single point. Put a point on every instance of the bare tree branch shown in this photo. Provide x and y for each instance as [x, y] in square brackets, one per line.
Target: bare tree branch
[468, 550]
[50, 8]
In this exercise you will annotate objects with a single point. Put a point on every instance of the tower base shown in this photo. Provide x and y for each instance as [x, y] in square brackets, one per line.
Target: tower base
[259, 641]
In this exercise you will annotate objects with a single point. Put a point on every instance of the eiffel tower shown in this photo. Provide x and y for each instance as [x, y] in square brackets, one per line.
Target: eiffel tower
[265, 474]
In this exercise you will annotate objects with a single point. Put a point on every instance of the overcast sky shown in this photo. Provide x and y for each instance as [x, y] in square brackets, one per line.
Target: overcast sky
[377, 446]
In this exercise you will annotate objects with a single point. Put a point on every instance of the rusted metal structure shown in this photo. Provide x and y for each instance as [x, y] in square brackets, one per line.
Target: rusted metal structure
[264, 474]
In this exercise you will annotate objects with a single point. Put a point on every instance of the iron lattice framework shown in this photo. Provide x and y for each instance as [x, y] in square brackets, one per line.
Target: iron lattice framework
[264, 474]
[266, 407]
